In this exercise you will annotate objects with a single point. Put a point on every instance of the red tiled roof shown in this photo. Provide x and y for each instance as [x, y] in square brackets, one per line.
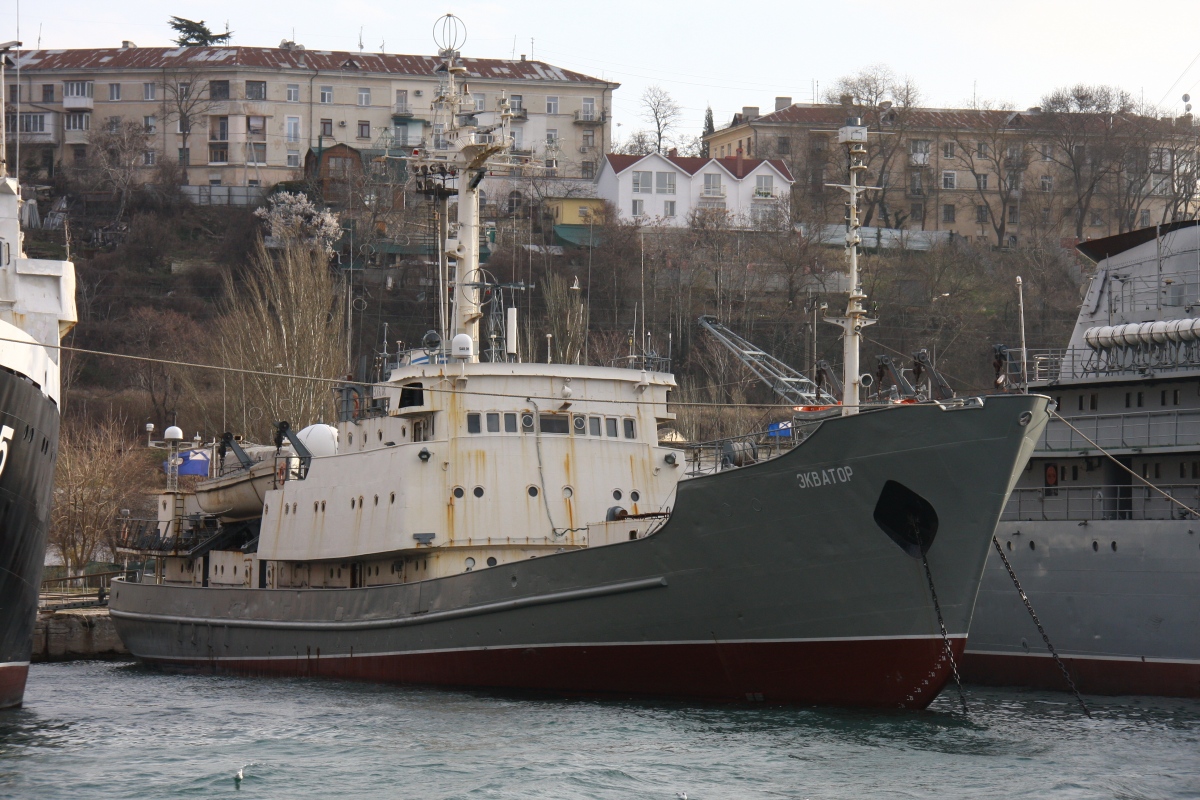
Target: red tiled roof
[158, 58]
[693, 164]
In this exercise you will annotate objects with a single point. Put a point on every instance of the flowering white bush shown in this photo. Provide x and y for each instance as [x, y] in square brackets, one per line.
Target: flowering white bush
[294, 216]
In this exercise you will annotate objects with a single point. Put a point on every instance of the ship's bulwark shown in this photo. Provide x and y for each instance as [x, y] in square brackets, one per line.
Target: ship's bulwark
[771, 582]
[26, 482]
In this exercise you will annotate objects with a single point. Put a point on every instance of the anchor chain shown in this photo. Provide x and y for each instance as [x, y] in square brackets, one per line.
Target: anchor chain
[962, 697]
[1041, 630]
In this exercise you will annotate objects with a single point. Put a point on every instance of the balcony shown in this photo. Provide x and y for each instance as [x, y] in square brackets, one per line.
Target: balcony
[596, 117]
[918, 159]
[519, 112]
[402, 110]
[764, 194]
[713, 191]
[74, 103]
[916, 191]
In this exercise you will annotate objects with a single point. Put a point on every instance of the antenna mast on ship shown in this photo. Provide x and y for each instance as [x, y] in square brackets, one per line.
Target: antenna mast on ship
[854, 135]
[459, 153]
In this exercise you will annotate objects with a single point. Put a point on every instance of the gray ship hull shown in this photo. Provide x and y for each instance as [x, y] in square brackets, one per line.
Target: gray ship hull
[1117, 597]
[772, 582]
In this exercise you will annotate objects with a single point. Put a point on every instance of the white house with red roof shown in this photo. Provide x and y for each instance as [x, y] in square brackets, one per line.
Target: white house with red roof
[667, 189]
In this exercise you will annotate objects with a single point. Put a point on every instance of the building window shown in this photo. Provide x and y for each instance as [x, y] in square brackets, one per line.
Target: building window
[327, 127]
[517, 135]
[218, 90]
[668, 208]
[918, 147]
[114, 124]
[643, 182]
[185, 156]
[326, 94]
[981, 149]
[588, 169]
[1014, 215]
[149, 123]
[293, 158]
[183, 125]
[149, 158]
[764, 186]
[516, 103]
[948, 213]
[47, 92]
[515, 201]
[552, 136]
[664, 182]
[783, 145]
[78, 122]
[982, 214]
[981, 182]
[587, 109]
[1046, 151]
[114, 91]
[589, 137]
[1047, 183]
[364, 129]
[639, 208]
[256, 129]
[293, 93]
[712, 186]
[256, 90]
[551, 105]
[293, 129]
[916, 184]
[364, 97]
[1097, 219]
[917, 212]
[1013, 181]
[149, 91]
[79, 153]
[948, 150]
[218, 153]
[949, 179]
[256, 153]
[77, 88]
[1145, 222]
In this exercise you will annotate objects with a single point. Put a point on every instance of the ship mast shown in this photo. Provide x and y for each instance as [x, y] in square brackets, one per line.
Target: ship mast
[459, 153]
[854, 135]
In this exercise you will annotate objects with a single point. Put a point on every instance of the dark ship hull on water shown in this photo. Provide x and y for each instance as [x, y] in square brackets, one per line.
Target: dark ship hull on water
[794, 580]
[30, 421]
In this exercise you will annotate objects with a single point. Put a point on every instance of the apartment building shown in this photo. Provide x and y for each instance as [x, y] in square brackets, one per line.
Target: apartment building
[669, 189]
[250, 116]
[994, 175]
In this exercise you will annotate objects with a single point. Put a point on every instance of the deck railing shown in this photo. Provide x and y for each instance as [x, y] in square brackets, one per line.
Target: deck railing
[1101, 503]
[1172, 428]
[77, 591]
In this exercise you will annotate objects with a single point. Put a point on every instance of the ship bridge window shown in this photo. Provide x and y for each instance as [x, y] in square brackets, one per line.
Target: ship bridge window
[594, 426]
[473, 423]
[630, 430]
[610, 427]
[1093, 401]
[510, 423]
[551, 423]
[412, 395]
[493, 422]
[423, 429]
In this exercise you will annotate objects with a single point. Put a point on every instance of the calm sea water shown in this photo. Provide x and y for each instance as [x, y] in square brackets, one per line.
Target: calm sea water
[118, 730]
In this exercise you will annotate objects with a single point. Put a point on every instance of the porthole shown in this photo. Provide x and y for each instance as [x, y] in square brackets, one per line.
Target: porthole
[393, 498]
[350, 438]
[1031, 545]
[580, 424]
[635, 495]
[568, 492]
[617, 494]
[380, 433]
[1114, 547]
[1095, 546]
[470, 562]
[527, 422]
[478, 491]
[491, 562]
[458, 492]
[533, 491]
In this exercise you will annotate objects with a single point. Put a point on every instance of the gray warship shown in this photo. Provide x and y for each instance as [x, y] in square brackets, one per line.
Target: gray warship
[484, 522]
[1101, 527]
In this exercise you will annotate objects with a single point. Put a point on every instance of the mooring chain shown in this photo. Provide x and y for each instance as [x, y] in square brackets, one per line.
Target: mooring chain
[1041, 630]
[945, 636]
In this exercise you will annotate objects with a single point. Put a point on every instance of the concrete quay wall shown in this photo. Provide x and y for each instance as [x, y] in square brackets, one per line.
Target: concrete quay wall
[75, 634]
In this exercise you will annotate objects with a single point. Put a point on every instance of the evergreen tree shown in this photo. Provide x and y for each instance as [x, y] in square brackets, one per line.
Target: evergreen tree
[709, 127]
[196, 34]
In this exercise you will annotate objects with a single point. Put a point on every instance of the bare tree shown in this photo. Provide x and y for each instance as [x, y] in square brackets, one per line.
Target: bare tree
[662, 112]
[116, 155]
[99, 472]
[996, 152]
[639, 143]
[286, 318]
[187, 98]
[886, 104]
[1082, 124]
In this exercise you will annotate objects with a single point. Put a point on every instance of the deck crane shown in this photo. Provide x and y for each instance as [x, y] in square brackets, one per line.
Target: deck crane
[787, 382]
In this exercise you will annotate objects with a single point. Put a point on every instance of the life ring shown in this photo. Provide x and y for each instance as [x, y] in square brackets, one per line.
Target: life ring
[1051, 475]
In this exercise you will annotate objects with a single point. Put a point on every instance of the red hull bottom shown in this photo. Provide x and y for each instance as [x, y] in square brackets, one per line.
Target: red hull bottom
[12, 684]
[895, 673]
[1091, 675]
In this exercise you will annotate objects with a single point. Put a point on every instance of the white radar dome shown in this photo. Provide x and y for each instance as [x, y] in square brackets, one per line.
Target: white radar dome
[461, 346]
[173, 434]
[321, 440]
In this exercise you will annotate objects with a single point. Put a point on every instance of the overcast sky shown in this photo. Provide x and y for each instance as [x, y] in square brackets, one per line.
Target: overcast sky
[726, 55]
